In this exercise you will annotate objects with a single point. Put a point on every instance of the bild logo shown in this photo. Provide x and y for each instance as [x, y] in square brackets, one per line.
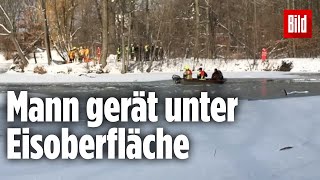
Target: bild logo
[297, 23]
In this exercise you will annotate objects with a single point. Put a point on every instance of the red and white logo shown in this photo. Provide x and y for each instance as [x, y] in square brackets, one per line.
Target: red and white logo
[297, 23]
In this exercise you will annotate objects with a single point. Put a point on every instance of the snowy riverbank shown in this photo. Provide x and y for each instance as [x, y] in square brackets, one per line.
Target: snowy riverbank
[159, 70]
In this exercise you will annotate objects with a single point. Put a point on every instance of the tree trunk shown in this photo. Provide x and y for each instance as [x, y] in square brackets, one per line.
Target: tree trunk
[18, 48]
[123, 50]
[104, 33]
[208, 32]
[97, 5]
[147, 23]
[196, 46]
[129, 42]
[293, 41]
[13, 38]
[46, 31]
[71, 33]
[255, 33]
[112, 28]
[229, 27]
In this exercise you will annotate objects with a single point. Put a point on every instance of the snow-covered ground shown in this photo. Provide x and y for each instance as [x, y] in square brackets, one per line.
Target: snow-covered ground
[4, 64]
[76, 72]
[246, 149]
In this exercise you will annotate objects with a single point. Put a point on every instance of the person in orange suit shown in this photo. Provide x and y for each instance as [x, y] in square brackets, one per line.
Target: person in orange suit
[86, 54]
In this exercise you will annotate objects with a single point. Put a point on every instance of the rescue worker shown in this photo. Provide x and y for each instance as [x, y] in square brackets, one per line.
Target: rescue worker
[132, 52]
[187, 73]
[161, 53]
[137, 52]
[118, 54]
[76, 52]
[86, 54]
[72, 55]
[201, 74]
[156, 53]
[146, 52]
[98, 54]
[81, 54]
[217, 75]
[264, 54]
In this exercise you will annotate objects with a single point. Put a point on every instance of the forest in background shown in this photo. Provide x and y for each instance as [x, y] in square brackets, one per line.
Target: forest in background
[229, 29]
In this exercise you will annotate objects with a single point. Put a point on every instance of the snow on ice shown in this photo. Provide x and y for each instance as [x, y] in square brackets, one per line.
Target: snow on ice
[271, 139]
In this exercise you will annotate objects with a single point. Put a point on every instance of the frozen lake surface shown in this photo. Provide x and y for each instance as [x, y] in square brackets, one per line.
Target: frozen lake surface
[266, 121]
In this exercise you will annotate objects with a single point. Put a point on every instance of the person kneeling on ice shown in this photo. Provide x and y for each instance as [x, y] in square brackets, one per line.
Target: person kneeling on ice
[201, 74]
[187, 73]
[217, 75]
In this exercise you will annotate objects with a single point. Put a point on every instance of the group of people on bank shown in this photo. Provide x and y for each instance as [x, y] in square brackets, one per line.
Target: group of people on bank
[216, 75]
[79, 54]
[140, 52]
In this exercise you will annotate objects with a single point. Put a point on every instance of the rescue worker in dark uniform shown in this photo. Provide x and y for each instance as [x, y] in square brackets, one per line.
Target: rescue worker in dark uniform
[118, 54]
[137, 52]
[161, 53]
[132, 52]
[156, 53]
[146, 52]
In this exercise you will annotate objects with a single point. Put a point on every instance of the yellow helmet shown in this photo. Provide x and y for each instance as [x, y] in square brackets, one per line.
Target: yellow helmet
[186, 67]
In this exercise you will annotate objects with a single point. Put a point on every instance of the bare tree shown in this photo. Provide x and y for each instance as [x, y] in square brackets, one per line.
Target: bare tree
[9, 32]
[123, 49]
[104, 33]
[187, 28]
[147, 22]
[46, 31]
[197, 23]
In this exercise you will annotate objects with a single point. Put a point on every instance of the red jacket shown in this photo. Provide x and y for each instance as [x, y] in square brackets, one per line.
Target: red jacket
[202, 73]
